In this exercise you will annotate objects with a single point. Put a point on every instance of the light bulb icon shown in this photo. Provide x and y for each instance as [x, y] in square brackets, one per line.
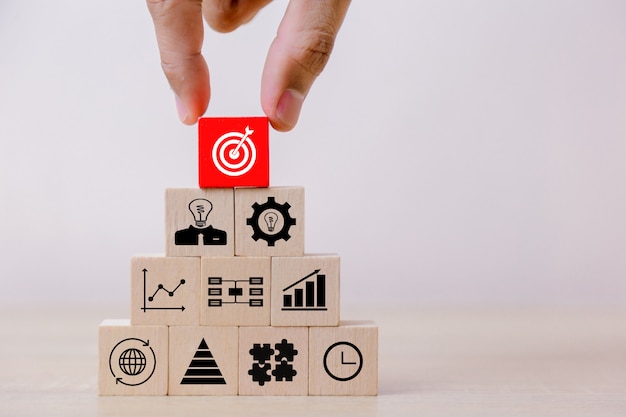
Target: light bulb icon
[200, 209]
[270, 219]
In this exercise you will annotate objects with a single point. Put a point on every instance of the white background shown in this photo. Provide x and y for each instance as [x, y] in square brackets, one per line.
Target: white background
[453, 152]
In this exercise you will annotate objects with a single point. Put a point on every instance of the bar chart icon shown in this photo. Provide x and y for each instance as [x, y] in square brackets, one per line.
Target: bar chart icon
[306, 294]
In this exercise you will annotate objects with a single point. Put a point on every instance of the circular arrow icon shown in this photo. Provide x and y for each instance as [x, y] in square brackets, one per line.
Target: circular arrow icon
[132, 361]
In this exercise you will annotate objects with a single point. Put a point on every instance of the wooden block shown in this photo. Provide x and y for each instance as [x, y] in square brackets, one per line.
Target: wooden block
[132, 359]
[233, 152]
[164, 290]
[305, 291]
[344, 360]
[273, 360]
[199, 222]
[235, 291]
[269, 221]
[203, 360]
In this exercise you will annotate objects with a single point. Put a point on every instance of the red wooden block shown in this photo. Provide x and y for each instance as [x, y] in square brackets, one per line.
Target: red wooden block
[233, 152]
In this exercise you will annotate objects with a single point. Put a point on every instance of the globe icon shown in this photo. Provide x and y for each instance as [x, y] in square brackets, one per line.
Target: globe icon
[132, 361]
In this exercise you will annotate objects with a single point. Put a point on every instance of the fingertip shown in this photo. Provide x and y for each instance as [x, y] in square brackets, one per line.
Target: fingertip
[192, 98]
[287, 112]
[188, 113]
[180, 32]
[297, 56]
[183, 114]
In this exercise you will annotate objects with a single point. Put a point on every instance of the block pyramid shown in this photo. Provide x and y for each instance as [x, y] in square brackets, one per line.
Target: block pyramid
[235, 306]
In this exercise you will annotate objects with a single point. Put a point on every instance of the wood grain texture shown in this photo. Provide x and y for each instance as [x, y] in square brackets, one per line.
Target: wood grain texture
[235, 291]
[199, 222]
[287, 240]
[287, 350]
[305, 290]
[344, 360]
[482, 361]
[133, 360]
[170, 295]
[203, 360]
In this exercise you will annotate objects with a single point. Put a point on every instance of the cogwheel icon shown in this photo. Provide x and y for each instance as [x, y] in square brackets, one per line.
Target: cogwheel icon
[282, 210]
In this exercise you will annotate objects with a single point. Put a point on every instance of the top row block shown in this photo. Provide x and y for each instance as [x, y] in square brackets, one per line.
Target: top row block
[233, 152]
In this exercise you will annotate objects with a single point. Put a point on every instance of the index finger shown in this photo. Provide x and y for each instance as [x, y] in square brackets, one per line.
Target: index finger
[179, 31]
[297, 56]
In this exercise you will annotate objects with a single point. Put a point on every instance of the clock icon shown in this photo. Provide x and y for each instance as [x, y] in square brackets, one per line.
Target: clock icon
[343, 361]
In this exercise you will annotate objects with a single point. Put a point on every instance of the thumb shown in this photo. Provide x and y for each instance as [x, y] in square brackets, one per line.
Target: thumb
[297, 56]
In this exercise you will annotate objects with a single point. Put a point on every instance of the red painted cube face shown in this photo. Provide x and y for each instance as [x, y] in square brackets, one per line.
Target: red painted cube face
[233, 152]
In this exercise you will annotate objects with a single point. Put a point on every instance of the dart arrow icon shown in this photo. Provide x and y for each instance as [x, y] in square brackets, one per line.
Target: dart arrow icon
[234, 153]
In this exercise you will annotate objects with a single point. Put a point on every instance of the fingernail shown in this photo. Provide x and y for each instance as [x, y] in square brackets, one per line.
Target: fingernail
[180, 107]
[289, 106]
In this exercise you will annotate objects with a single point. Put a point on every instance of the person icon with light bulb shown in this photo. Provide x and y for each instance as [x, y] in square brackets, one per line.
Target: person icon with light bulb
[200, 209]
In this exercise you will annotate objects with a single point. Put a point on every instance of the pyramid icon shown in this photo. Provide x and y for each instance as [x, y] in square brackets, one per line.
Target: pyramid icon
[235, 259]
[203, 369]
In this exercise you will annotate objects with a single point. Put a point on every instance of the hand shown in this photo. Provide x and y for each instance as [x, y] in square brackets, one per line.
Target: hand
[296, 57]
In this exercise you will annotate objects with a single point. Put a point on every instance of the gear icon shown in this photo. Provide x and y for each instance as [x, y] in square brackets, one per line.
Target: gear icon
[287, 221]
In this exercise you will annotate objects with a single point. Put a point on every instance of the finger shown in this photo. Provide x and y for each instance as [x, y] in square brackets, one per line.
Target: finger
[297, 56]
[179, 31]
[228, 15]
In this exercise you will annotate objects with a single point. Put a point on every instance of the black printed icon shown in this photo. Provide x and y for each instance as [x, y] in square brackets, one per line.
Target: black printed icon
[343, 361]
[262, 355]
[200, 231]
[311, 297]
[271, 221]
[240, 291]
[203, 369]
[132, 361]
[160, 288]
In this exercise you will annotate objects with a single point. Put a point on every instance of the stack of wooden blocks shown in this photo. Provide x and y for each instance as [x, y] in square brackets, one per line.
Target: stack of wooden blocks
[235, 306]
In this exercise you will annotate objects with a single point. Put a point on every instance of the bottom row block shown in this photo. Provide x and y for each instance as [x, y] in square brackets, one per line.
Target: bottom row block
[226, 360]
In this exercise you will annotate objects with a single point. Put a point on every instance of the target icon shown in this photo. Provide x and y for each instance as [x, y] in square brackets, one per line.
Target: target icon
[234, 153]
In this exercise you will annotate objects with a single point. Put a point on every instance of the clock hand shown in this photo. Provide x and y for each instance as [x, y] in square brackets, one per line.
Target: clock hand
[346, 363]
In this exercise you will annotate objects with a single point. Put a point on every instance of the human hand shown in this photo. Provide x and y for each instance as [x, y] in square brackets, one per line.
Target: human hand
[298, 54]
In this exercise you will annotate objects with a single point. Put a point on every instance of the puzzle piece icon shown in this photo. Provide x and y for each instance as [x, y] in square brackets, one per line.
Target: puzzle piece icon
[259, 373]
[284, 371]
[286, 351]
[261, 353]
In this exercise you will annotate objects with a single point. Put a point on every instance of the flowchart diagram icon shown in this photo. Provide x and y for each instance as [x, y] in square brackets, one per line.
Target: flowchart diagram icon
[235, 306]
[233, 152]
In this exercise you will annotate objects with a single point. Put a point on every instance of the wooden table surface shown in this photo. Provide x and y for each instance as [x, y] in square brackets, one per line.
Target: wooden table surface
[433, 362]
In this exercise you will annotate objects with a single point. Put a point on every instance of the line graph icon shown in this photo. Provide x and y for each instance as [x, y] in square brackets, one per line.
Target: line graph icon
[160, 288]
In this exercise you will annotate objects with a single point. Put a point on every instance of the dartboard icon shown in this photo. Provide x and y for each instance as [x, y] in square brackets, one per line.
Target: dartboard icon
[234, 153]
